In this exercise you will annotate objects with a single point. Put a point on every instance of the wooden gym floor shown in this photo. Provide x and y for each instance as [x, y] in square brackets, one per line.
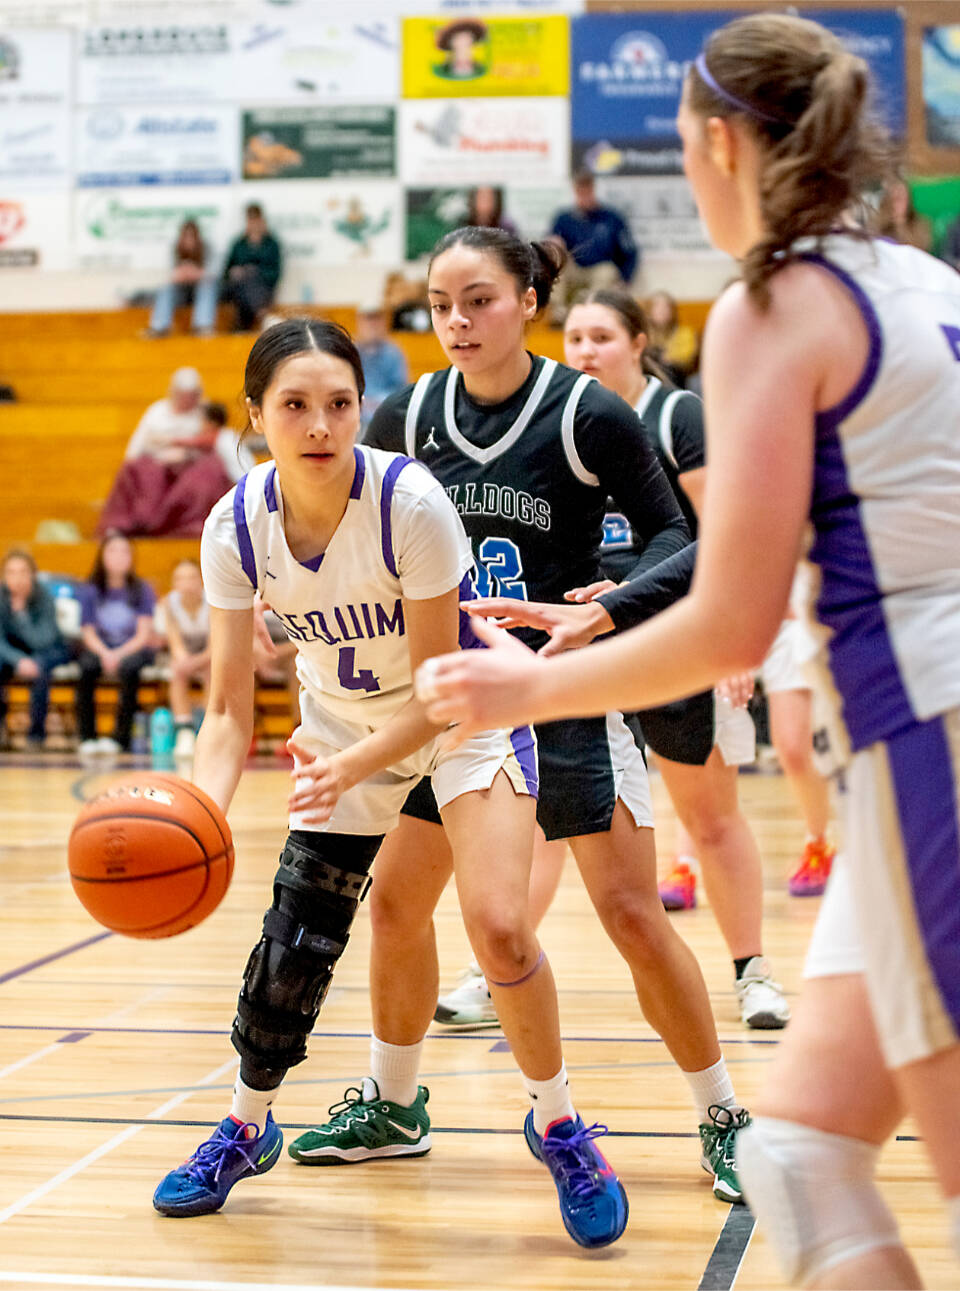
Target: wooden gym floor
[116, 1061]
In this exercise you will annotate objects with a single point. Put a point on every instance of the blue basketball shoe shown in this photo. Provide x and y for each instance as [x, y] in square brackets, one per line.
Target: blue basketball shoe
[593, 1202]
[201, 1184]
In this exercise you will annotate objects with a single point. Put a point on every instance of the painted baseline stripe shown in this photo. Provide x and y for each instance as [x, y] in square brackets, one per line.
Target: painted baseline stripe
[728, 1254]
[49, 959]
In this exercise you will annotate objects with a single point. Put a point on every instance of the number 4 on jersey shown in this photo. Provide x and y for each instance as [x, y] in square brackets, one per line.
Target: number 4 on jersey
[347, 673]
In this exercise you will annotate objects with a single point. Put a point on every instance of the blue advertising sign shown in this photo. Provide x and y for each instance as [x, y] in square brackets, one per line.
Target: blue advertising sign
[628, 69]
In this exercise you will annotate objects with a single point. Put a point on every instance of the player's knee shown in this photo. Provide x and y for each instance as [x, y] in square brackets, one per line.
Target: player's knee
[636, 924]
[708, 828]
[393, 916]
[320, 882]
[794, 751]
[503, 943]
[814, 1195]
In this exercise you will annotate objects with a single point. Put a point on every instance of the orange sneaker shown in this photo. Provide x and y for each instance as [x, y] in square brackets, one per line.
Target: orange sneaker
[810, 877]
[678, 891]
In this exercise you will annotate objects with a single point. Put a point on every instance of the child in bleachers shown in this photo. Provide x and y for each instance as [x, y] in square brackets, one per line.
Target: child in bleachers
[183, 621]
[31, 645]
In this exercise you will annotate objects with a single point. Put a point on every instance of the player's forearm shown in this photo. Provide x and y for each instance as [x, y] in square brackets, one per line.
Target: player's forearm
[222, 746]
[405, 732]
[677, 653]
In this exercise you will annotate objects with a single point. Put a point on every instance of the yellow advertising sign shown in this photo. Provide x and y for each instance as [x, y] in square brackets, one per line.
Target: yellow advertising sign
[482, 57]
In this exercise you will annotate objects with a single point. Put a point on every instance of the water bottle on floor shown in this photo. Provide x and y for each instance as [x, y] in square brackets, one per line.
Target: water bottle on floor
[162, 737]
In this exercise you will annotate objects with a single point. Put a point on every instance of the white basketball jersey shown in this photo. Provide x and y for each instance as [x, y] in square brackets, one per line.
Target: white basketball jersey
[400, 538]
[886, 497]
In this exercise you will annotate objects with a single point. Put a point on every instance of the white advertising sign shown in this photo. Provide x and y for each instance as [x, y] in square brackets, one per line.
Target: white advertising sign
[135, 228]
[35, 68]
[484, 141]
[332, 222]
[35, 149]
[176, 63]
[124, 146]
[306, 61]
[661, 213]
[34, 231]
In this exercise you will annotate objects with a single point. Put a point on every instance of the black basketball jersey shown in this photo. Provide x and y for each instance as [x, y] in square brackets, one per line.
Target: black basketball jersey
[673, 422]
[530, 476]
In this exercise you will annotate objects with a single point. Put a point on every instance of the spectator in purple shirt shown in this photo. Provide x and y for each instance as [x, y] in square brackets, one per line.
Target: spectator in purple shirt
[117, 635]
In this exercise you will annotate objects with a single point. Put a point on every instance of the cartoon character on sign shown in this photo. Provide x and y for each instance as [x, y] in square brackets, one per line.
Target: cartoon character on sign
[359, 226]
[12, 220]
[459, 41]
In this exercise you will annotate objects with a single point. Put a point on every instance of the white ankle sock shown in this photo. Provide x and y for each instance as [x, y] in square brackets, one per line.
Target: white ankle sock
[691, 862]
[250, 1106]
[711, 1087]
[395, 1068]
[953, 1209]
[550, 1099]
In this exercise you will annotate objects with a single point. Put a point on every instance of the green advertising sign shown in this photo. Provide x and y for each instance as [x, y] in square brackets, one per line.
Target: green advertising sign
[342, 142]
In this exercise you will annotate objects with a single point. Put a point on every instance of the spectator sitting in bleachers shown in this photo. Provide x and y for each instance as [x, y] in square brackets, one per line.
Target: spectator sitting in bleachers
[191, 283]
[31, 645]
[117, 635]
[672, 344]
[183, 622]
[384, 363]
[177, 465]
[252, 270]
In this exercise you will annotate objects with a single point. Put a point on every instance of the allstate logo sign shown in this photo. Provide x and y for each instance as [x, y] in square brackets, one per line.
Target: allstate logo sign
[638, 64]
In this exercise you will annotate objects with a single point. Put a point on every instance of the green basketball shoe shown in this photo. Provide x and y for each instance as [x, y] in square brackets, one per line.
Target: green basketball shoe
[365, 1127]
[718, 1138]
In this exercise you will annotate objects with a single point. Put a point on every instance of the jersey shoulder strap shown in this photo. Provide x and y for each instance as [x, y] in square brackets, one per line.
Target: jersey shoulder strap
[413, 412]
[387, 486]
[665, 425]
[566, 431]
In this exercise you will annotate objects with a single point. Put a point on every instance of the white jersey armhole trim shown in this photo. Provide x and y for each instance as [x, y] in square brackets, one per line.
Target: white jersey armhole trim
[651, 388]
[413, 413]
[566, 431]
[665, 427]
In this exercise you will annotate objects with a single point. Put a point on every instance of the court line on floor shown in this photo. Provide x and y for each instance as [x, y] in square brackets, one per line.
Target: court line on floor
[730, 1250]
[28, 1198]
[167, 1284]
[49, 959]
[493, 1034]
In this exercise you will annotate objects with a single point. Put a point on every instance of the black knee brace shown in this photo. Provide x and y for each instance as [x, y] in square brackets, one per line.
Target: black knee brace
[320, 883]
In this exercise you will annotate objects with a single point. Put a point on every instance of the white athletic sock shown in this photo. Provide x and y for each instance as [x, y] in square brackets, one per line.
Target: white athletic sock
[250, 1106]
[691, 862]
[711, 1087]
[395, 1068]
[953, 1208]
[550, 1099]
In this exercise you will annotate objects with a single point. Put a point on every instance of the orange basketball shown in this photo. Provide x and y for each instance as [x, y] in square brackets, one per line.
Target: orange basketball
[151, 855]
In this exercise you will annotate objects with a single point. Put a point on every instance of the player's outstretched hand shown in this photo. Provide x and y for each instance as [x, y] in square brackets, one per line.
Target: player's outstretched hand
[738, 689]
[317, 785]
[590, 592]
[480, 689]
[569, 626]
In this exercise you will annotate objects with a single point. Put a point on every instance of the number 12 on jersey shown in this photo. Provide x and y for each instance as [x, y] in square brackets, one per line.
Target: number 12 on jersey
[500, 570]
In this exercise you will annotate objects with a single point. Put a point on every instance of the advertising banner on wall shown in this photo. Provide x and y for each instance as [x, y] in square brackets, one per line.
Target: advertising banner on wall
[333, 223]
[661, 213]
[484, 141]
[432, 212]
[186, 63]
[627, 75]
[320, 143]
[295, 60]
[34, 231]
[35, 69]
[35, 149]
[476, 57]
[941, 85]
[122, 146]
[136, 228]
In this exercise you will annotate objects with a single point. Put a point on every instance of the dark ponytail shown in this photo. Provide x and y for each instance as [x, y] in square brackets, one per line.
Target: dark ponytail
[530, 264]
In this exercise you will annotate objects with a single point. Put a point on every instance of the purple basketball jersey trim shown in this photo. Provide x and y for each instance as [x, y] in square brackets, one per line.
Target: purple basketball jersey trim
[247, 559]
[270, 489]
[386, 499]
[468, 639]
[862, 660]
[525, 747]
[923, 780]
[360, 471]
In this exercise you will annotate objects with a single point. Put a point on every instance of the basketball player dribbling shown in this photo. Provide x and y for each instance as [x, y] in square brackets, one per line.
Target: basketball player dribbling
[849, 420]
[363, 558]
